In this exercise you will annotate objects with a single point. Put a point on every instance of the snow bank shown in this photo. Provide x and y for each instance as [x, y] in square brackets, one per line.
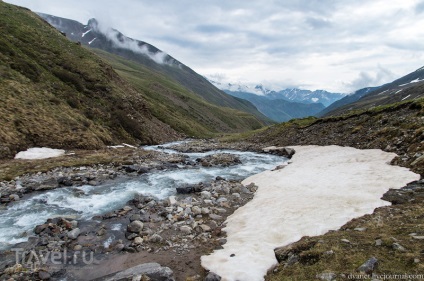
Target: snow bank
[321, 190]
[39, 153]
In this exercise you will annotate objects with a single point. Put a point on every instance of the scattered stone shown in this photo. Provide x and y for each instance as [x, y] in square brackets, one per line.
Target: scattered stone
[215, 217]
[73, 234]
[360, 229]
[378, 242]
[44, 275]
[205, 195]
[345, 241]
[327, 276]
[185, 229]
[398, 247]
[152, 270]
[77, 248]
[205, 227]
[135, 226]
[369, 266]
[138, 241]
[212, 277]
[418, 237]
[155, 238]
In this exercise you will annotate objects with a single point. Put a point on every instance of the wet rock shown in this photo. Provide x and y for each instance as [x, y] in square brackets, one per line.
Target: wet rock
[212, 277]
[44, 275]
[40, 228]
[219, 159]
[135, 217]
[135, 226]
[73, 234]
[14, 197]
[119, 247]
[369, 266]
[187, 189]
[47, 184]
[281, 151]
[152, 270]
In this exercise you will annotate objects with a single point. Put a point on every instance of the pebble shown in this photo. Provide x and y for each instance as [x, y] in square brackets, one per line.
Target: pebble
[185, 229]
[135, 226]
[138, 241]
[73, 234]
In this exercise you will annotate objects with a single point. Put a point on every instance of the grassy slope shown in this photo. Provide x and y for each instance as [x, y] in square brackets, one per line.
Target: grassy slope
[173, 104]
[55, 93]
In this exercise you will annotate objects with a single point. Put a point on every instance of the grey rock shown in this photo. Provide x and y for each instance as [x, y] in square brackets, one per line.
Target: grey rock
[138, 241]
[215, 217]
[135, 226]
[196, 210]
[152, 270]
[327, 276]
[155, 238]
[378, 242]
[398, 247]
[73, 234]
[369, 266]
[205, 195]
[44, 275]
[345, 241]
[212, 277]
[185, 229]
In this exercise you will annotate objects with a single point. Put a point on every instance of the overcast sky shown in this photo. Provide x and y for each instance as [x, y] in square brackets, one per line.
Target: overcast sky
[339, 45]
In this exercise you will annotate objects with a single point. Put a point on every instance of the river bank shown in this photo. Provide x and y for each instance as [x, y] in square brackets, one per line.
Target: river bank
[173, 231]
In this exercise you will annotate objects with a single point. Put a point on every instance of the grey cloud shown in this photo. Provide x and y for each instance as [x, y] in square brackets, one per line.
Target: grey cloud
[419, 8]
[366, 79]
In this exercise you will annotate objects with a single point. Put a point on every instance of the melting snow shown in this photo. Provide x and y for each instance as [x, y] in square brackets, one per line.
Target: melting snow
[39, 153]
[405, 97]
[85, 33]
[322, 189]
[413, 81]
[89, 43]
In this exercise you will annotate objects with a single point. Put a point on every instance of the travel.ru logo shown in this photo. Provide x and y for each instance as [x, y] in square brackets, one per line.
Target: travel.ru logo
[33, 260]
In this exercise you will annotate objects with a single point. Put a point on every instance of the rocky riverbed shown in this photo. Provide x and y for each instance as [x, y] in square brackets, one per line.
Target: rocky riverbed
[173, 232]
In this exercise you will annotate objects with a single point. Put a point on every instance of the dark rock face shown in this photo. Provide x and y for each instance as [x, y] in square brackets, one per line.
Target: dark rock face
[280, 151]
[369, 266]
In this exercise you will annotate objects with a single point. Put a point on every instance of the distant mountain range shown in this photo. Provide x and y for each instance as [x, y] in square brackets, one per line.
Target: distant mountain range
[282, 105]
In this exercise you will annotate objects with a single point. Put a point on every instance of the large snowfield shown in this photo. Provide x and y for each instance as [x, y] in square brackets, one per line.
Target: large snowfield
[321, 190]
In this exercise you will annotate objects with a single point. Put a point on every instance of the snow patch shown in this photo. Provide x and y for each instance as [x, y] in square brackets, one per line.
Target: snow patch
[321, 190]
[89, 43]
[315, 99]
[413, 81]
[85, 33]
[405, 97]
[39, 153]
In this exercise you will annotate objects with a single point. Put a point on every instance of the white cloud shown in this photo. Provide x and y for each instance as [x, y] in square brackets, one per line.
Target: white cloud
[315, 44]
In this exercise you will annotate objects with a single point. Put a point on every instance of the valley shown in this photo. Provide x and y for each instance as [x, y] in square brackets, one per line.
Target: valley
[118, 161]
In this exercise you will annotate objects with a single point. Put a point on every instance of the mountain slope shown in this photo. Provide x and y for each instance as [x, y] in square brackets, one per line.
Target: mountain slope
[173, 104]
[346, 100]
[55, 93]
[278, 109]
[408, 87]
[112, 41]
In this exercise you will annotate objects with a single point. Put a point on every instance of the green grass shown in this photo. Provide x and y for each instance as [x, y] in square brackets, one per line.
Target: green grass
[173, 104]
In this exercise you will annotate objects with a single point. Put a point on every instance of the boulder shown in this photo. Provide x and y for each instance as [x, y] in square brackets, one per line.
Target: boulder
[281, 151]
[369, 266]
[73, 234]
[135, 226]
[152, 270]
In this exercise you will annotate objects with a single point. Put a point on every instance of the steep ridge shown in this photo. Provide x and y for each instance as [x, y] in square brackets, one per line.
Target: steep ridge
[55, 93]
[95, 35]
[346, 100]
[173, 104]
[408, 87]
[280, 110]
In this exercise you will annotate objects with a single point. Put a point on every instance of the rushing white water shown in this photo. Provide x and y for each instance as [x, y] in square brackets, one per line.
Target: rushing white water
[20, 218]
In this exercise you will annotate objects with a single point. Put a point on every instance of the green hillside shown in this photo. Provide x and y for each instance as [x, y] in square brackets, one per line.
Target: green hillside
[177, 106]
[56, 93]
